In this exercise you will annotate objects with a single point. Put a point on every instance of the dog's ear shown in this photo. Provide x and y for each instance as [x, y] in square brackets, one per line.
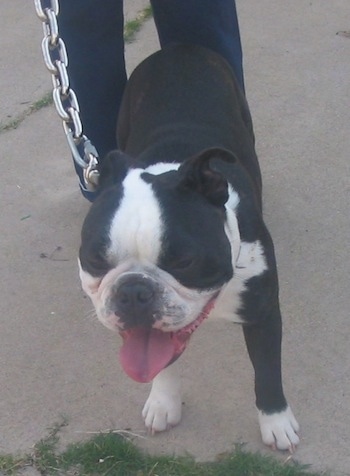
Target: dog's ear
[113, 168]
[198, 174]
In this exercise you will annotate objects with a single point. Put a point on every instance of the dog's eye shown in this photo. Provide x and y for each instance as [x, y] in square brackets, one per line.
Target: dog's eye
[98, 264]
[182, 263]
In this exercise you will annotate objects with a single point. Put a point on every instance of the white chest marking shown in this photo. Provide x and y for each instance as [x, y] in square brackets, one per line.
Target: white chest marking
[251, 262]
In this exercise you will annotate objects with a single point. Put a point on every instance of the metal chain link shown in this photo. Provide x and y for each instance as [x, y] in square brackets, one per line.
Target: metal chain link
[65, 100]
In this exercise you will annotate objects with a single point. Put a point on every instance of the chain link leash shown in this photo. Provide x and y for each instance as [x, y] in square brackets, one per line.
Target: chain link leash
[65, 100]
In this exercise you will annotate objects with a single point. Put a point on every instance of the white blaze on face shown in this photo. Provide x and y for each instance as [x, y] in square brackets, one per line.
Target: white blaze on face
[136, 228]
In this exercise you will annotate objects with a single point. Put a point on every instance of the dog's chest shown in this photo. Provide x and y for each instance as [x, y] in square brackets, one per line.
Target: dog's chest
[251, 263]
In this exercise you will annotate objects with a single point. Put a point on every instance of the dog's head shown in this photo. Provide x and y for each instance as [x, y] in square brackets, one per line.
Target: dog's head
[156, 250]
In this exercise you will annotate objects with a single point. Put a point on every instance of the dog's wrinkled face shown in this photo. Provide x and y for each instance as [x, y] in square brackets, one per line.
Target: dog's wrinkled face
[155, 253]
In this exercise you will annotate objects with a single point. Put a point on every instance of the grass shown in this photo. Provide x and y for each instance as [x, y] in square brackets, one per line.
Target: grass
[131, 28]
[111, 454]
[10, 465]
[46, 100]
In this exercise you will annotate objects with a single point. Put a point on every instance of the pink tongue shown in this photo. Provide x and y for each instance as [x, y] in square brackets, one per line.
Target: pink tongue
[145, 352]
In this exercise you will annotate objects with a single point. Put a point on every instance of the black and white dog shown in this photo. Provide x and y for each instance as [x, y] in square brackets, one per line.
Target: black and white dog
[177, 233]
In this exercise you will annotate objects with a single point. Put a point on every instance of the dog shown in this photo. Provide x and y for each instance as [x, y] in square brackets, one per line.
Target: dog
[177, 235]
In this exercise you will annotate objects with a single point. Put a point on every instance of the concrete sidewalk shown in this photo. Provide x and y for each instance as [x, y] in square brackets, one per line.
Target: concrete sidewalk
[57, 360]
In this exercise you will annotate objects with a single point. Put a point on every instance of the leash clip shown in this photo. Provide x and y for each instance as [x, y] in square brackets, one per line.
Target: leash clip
[90, 172]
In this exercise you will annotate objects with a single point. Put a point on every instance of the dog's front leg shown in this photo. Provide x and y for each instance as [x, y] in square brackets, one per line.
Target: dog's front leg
[163, 407]
[277, 423]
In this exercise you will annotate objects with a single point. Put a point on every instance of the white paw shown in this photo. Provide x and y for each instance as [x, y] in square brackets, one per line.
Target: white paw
[161, 411]
[279, 430]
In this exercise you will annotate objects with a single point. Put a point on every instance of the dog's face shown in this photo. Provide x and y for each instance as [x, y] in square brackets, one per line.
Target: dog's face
[156, 250]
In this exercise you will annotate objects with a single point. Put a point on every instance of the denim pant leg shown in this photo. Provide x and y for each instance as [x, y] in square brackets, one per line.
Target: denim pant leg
[93, 33]
[209, 23]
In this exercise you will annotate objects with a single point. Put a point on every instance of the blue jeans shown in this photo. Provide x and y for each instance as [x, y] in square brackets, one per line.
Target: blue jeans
[93, 33]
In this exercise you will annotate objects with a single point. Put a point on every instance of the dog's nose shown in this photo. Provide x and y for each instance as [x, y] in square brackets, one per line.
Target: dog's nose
[139, 293]
[134, 297]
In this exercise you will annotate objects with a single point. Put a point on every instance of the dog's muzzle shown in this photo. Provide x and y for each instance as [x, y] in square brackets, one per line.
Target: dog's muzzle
[136, 301]
[146, 350]
[148, 314]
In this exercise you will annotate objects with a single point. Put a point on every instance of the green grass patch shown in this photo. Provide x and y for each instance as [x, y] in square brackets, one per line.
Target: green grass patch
[46, 100]
[10, 465]
[112, 454]
[132, 27]
[45, 457]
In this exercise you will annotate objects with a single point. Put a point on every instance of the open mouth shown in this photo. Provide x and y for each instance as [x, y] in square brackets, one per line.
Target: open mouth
[147, 351]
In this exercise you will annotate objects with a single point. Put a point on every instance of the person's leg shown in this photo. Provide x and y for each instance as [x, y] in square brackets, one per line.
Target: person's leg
[209, 23]
[93, 34]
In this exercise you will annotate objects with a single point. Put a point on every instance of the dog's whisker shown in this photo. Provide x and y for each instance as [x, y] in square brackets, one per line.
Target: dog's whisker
[91, 314]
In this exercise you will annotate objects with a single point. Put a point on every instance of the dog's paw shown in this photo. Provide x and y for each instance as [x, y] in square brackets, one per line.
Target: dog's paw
[162, 411]
[279, 430]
